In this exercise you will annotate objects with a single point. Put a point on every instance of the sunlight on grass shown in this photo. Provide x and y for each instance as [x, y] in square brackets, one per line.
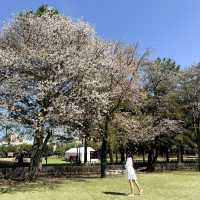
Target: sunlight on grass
[157, 186]
[54, 161]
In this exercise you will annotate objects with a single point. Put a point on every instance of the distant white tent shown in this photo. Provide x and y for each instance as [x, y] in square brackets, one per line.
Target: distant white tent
[72, 154]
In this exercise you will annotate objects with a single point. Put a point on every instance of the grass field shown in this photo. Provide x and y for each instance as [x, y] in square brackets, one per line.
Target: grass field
[51, 160]
[54, 161]
[157, 186]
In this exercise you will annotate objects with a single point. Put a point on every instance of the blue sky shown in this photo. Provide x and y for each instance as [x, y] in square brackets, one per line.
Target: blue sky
[170, 28]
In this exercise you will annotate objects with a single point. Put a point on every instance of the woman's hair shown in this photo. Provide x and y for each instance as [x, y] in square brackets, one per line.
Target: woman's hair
[129, 154]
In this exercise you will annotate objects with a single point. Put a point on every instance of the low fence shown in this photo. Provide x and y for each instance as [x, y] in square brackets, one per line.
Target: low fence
[62, 171]
[72, 171]
[175, 166]
[81, 171]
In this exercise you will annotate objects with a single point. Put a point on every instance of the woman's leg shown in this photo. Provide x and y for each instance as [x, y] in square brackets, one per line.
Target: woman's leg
[138, 186]
[131, 186]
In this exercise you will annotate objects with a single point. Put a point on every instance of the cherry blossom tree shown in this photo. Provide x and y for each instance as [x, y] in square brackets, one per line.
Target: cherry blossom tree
[121, 84]
[51, 64]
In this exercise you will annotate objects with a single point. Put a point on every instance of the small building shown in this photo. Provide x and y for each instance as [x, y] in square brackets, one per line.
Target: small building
[77, 154]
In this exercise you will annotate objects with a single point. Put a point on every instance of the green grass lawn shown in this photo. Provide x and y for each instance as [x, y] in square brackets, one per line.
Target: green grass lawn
[50, 160]
[157, 186]
[54, 160]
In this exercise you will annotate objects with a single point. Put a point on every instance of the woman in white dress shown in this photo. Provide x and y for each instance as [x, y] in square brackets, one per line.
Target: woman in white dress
[132, 178]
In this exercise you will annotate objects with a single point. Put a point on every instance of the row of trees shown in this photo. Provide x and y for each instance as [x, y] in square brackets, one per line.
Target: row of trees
[57, 72]
[160, 120]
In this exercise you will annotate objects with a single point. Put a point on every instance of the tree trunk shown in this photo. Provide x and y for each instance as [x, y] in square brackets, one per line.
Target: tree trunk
[155, 156]
[103, 156]
[150, 160]
[78, 159]
[122, 152]
[36, 154]
[110, 154]
[143, 156]
[104, 150]
[77, 154]
[116, 157]
[167, 155]
[179, 160]
[182, 153]
[85, 151]
[198, 146]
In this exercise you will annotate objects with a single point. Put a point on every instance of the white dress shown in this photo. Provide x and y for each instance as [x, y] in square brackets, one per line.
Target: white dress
[130, 170]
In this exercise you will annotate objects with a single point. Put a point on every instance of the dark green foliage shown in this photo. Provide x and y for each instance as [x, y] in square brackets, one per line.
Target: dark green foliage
[44, 9]
[15, 148]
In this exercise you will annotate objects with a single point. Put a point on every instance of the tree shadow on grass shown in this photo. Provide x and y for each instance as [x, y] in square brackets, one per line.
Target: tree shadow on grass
[82, 178]
[11, 187]
[116, 193]
[42, 183]
[78, 180]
